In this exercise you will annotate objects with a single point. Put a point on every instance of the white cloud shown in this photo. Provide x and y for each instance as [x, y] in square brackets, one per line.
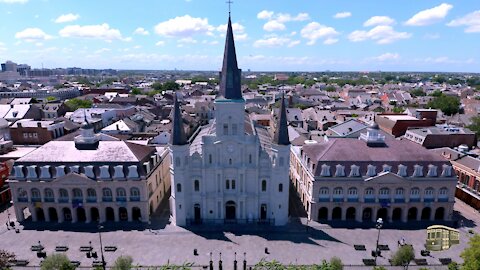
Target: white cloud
[160, 43]
[102, 50]
[471, 21]
[274, 26]
[183, 26]
[429, 16]
[70, 17]
[445, 60]
[431, 36]
[274, 41]
[293, 43]
[314, 31]
[14, 1]
[99, 31]
[32, 34]
[187, 40]
[379, 20]
[265, 15]
[2, 47]
[386, 57]
[141, 31]
[342, 15]
[238, 31]
[382, 34]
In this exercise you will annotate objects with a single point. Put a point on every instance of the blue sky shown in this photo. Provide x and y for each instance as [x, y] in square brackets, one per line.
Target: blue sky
[271, 35]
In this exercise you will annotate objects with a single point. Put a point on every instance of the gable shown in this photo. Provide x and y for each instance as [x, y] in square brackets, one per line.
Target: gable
[386, 178]
[73, 179]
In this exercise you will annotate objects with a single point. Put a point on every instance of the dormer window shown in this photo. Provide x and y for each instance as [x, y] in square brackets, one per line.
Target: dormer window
[325, 170]
[371, 170]
[417, 171]
[432, 170]
[340, 170]
[354, 171]
[402, 170]
[387, 168]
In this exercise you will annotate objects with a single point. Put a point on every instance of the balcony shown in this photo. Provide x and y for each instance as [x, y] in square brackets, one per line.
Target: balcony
[63, 200]
[107, 199]
[369, 200]
[36, 199]
[415, 199]
[121, 199]
[77, 200]
[428, 200]
[135, 198]
[49, 199]
[443, 199]
[22, 199]
[338, 199]
[399, 200]
[91, 199]
[352, 199]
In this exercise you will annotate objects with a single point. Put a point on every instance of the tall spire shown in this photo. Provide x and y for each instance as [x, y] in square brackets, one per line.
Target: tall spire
[178, 133]
[280, 136]
[230, 76]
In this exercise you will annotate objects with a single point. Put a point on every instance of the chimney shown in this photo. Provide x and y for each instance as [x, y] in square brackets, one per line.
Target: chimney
[39, 124]
[19, 125]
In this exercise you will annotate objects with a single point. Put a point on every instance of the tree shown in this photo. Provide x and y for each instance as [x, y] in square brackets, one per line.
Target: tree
[471, 254]
[75, 103]
[5, 258]
[50, 98]
[453, 266]
[418, 92]
[57, 262]
[331, 88]
[404, 255]
[475, 126]
[336, 264]
[136, 91]
[448, 104]
[171, 85]
[123, 263]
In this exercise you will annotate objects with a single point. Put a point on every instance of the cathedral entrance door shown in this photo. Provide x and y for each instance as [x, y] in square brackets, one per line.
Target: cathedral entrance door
[197, 213]
[263, 212]
[230, 210]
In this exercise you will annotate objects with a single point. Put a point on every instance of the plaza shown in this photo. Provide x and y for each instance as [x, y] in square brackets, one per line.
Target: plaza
[160, 243]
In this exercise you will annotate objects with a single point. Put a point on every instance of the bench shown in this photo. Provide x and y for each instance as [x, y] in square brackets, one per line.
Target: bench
[110, 248]
[97, 264]
[37, 248]
[85, 248]
[359, 247]
[61, 248]
[420, 261]
[75, 263]
[369, 262]
[445, 261]
[19, 262]
[383, 247]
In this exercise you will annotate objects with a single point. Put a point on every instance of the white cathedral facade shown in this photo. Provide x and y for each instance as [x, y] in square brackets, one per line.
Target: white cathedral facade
[233, 171]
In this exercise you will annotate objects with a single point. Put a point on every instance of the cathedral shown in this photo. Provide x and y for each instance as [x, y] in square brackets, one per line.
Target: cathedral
[232, 171]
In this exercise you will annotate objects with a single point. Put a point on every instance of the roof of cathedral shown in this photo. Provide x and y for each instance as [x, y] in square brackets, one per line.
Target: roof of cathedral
[178, 136]
[230, 77]
[281, 132]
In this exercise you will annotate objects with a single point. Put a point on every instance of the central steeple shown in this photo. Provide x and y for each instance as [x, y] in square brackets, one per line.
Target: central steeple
[230, 76]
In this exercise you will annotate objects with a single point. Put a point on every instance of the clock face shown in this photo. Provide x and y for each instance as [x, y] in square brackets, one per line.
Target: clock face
[230, 148]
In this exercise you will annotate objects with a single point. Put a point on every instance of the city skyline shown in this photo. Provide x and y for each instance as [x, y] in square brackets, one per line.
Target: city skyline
[270, 36]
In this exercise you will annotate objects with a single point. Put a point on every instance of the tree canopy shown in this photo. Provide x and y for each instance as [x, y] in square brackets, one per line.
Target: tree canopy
[403, 256]
[57, 262]
[123, 263]
[447, 104]
[475, 126]
[471, 254]
[5, 258]
[75, 103]
[170, 85]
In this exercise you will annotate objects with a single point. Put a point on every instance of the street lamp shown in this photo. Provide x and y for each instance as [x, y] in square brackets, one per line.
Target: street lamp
[101, 246]
[379, 226]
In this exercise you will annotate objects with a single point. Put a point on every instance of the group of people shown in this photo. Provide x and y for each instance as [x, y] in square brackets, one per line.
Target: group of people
[401, 242]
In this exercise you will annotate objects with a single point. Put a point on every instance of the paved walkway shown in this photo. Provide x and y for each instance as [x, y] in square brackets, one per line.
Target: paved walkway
[161, 243]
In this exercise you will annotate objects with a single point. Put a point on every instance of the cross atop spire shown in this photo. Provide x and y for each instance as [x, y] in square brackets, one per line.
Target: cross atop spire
[229, 2]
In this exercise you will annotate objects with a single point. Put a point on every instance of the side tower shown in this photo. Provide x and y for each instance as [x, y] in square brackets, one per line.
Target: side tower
[280, 168]
[179, 152]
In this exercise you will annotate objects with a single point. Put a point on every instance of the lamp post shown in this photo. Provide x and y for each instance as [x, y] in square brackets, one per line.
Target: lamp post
[101, 246]
[379, 226]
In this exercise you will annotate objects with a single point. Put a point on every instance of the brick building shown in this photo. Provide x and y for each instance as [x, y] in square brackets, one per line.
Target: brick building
[28, 131]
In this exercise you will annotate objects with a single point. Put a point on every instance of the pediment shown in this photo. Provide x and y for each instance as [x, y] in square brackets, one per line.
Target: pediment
[386, 178]
[74, 179]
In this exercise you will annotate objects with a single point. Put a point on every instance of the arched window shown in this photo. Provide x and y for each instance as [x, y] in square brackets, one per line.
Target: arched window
[280, 187]
[227, 184]
[49, 195]
[36, 193]
[264, 185]
[134, 192]
[91, 193]
[196, 185]
[233, 183]
[369, 192]
[107, 193]
[415, 192]
[63, 193]
[399, 191]
[352, 191]
[443, 192]
[338, 191]
[22, 193]
[121, 192]
[324, 191]
[179, 187]
[429, 192]
[384, 192]
[77, 193]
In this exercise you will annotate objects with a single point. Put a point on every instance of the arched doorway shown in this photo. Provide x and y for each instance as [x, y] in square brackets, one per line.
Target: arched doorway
[382, 213]
[95, 215]
[123, 214]
[426, 213]
[136, 214]
[397, 214]
[81, 216]
[197, 213]
[337, 213]
[323, 213]
[351, 213]
[52, 213]
[263, 212]
[110, 214]
[40, 214]
[230, 210]
[367, 214]
[67, 214]
[440, 213]
[412, 213]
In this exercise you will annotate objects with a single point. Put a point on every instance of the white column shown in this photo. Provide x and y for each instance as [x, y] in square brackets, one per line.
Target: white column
[404, 214]
[74, 215]
[88, 215]
[46, 213]
[61, 217]
[33, 213]
[359, 214]
[101, 212]
[116, 213]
